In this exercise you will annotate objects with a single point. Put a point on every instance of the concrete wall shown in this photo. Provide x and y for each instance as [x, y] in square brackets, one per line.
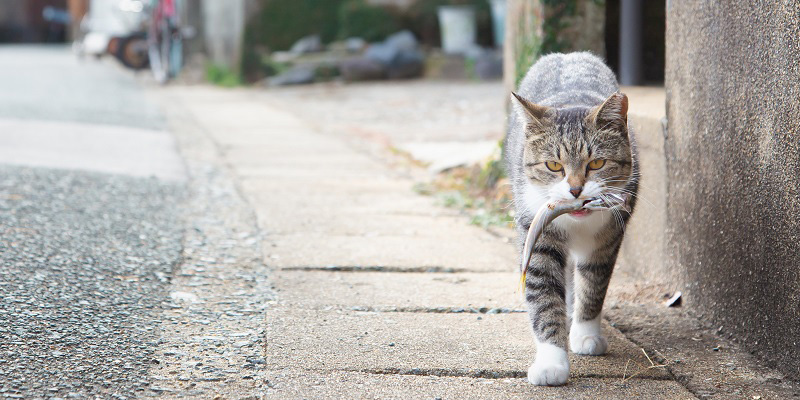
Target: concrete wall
[642, 253]
[733, 162]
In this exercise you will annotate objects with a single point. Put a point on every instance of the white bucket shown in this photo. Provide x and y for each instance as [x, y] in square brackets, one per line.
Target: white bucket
[458, 27]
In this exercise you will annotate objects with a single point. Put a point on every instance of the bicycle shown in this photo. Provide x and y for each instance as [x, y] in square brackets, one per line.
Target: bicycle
[165, 39]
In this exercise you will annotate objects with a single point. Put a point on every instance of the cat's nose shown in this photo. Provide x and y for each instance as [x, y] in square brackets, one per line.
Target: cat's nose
[576, 191]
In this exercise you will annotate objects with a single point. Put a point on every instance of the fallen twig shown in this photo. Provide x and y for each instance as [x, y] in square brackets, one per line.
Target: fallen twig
[642, 368]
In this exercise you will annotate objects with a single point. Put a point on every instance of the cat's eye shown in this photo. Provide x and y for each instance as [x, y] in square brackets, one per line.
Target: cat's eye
[554, 166]
[597, 164]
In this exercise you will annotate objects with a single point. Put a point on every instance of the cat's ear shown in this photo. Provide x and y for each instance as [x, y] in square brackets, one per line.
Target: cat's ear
[532, 114]
[612, 114]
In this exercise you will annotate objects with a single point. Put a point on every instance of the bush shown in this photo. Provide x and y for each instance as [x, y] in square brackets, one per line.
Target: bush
[280, 23]
[372, 23]
[222, 76]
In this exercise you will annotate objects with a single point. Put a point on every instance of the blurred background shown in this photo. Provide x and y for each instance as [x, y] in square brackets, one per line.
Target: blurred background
[427, 78]
[293, 42]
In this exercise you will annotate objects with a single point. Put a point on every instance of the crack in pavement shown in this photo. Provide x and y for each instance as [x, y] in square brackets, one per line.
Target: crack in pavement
[383, 268]
[484, 373]
[441, 310]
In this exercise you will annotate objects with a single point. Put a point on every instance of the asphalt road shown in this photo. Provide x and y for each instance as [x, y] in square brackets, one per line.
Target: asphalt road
[86, 249]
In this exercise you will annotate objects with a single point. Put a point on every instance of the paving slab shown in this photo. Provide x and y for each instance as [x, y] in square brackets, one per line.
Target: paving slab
[223, 116]
[421, 291]
[329, 184]
[259, 136]
[440, 156]
[487, 345]
[275, 170]
[321, 250]
[307, 203]
[277, 156]
[349, 223]
[359, 385]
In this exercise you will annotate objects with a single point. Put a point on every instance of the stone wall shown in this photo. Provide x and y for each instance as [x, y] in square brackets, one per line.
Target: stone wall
[733, 162]
[538, 27]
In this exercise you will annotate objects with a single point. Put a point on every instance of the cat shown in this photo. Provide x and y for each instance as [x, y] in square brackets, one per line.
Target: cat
[568, 137]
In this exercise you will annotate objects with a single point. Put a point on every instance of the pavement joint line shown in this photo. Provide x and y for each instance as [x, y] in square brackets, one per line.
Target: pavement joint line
[446, 372]
[486, 373]
[381, 268]
[441, 310]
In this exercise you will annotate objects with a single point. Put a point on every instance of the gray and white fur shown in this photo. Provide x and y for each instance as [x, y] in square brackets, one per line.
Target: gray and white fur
[569, 138]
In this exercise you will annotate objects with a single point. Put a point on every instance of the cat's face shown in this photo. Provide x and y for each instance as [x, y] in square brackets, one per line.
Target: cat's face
[577, 152]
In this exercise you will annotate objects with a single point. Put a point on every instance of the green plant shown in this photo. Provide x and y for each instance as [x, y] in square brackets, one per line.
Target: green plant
[469, 69]
[222, 76]
[555, 22]
[371, 23]
[481, 191]
[280, 23]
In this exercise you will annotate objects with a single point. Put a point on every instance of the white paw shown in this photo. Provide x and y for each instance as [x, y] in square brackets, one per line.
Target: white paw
[590, 345]
[551, 367]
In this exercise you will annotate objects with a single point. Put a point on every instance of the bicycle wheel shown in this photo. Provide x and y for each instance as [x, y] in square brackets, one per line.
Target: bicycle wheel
[157, 46]
[132, 52]
[176, 54]
[166, 45]
[176, 27]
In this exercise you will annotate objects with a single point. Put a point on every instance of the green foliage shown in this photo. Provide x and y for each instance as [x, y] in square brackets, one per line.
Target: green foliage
[222, 76]
[556, 20]
[481, 191]
[529, 49]
[252, 68]
[469, 69]
[558, 17]
[280, 23]
[272, 67]
[371, 23]
[485, 218]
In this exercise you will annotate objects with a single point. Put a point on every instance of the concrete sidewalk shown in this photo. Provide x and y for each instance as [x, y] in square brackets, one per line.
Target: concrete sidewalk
[382, 294]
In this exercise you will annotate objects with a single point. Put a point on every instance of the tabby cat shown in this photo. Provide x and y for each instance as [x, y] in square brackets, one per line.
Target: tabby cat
[569, 138]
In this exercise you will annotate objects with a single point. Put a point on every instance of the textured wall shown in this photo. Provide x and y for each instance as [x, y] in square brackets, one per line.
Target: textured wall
[538, 27]
[733, 162]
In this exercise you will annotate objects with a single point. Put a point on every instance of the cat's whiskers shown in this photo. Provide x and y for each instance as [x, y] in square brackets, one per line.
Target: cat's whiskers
[628, 192]
[614, 211]
[603, 183]
[634, 177]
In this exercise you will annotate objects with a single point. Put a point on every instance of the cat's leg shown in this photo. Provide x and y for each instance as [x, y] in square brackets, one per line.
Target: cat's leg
[590, 285]
[545, 296]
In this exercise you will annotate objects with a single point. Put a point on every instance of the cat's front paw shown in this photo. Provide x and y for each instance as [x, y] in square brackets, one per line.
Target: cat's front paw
[548, 374]
[551, 367]
[590, 345]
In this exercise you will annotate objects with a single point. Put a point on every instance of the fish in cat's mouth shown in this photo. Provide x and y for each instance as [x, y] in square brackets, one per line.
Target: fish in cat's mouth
[552, 210]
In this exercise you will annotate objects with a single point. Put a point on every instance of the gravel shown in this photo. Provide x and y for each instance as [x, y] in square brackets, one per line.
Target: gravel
[86, 261]
[213, 326]
[118, 287]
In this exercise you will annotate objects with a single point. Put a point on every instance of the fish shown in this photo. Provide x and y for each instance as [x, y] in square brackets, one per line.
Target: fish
[552, 210]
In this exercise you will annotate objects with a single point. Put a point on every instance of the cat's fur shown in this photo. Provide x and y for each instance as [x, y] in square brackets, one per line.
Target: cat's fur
[568, 109]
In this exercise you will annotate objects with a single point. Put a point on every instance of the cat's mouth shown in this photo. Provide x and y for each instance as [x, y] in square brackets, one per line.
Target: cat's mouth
[580, 213]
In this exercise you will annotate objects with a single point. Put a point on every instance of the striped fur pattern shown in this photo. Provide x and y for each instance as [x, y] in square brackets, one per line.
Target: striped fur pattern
[569, 110]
